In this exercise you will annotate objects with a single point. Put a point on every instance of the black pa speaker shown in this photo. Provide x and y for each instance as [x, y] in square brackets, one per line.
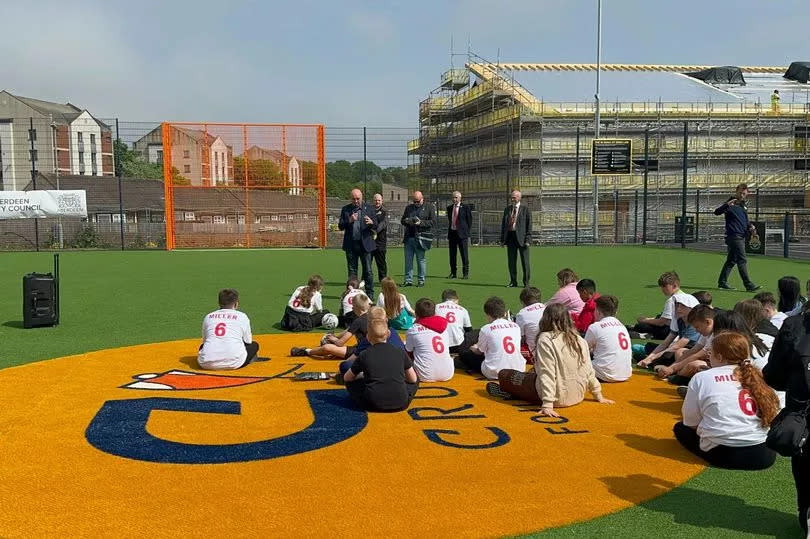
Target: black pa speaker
[41, 298]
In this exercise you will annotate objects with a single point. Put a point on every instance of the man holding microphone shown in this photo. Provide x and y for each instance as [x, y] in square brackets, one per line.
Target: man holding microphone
[358, 222]
[737, 228]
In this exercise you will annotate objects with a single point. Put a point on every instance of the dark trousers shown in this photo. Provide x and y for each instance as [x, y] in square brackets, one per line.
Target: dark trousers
[801, 476]
[753, 457]
[252, 351]
[471, 361]
[512, 249]
[382, 265]
[357, 391]
[736, 256]
[657, 332]
[457, 244]
[356, 252]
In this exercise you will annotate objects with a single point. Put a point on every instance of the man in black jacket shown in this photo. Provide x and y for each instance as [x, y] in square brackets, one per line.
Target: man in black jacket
[358, 221]
[516, 235]
[418, 221]
[381, 240]
[459, 222]
[788, 369]
[737, 228]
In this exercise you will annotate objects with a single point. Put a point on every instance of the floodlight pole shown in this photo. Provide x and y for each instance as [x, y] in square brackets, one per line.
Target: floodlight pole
[596, 117]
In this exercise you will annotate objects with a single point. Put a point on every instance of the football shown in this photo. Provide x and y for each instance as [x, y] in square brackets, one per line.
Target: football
[330, 321]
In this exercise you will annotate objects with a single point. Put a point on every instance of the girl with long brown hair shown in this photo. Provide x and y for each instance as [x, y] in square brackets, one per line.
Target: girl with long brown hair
[399, 312]
[562, 370]
[305, 308]
[728, 409]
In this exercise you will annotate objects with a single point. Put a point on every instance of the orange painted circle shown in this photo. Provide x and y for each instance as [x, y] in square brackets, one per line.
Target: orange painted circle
[398, 475]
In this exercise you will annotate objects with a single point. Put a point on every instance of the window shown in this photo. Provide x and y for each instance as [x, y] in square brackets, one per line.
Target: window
[219, 219]
[92, 142]
[240, 219]
[231, 219]
[186, 169]
[206, 219]
[81, 158]
[801, 164]
[160, 157]
[93, 158]
[79, 134]
[188, 216]
[116, 218]
[103, 218]
[186, 154]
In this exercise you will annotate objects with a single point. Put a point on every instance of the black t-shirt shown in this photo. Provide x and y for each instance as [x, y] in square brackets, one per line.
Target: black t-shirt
[359, 327]
[383, 367]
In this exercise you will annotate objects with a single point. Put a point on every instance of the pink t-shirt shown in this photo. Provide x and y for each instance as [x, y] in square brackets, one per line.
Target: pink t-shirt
[569, 297]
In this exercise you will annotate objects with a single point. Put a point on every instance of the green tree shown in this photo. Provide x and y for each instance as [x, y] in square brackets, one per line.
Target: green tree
[128, 164]
[260, 172]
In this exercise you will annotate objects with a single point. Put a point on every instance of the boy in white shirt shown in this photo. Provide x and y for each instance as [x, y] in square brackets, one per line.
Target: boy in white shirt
[769, 306]
[458, 319]
[227, 337]
[427, 341]
[528, 320]
[498, 344]
[609, 341]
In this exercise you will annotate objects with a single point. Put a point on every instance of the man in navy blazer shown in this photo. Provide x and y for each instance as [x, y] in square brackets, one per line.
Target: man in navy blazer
[459, 222]
[358, 221]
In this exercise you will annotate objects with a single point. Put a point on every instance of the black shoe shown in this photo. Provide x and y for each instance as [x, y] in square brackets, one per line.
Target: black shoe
[725, 286]
[451, 276]
[511, 285]
[752, 288]
[296, 351]
[407, 284]
[495, 390]
[420, 284]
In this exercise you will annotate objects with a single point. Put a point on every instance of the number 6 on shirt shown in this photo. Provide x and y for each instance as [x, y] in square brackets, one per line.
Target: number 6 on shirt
[508, 345]
[623, 342]
[438, 344]
[451, 317]
[747, 403]
[219, 329]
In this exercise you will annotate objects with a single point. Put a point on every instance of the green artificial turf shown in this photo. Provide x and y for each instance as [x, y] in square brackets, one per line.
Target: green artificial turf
[112, 299]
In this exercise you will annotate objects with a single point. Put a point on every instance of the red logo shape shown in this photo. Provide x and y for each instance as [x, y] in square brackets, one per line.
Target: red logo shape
[176, 380]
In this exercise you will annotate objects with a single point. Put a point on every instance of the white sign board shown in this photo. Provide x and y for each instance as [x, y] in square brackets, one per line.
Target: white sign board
[33, 204]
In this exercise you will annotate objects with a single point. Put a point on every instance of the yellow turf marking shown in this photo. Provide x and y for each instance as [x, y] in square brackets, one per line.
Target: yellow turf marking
[390, 475]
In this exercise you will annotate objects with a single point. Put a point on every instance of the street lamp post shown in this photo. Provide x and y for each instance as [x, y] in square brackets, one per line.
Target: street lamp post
[596, 117]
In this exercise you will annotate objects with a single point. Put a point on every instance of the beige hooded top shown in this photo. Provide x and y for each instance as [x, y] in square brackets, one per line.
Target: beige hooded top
[563, 374]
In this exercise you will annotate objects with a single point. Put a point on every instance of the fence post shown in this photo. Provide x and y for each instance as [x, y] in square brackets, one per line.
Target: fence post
[365, 178]
[615, 216]
[32, 136]
[646, 169]
[120, 192]
[756, 208]
[786, 236]
[635, 219]
[697, 216]
[576, 195]
[683, 187]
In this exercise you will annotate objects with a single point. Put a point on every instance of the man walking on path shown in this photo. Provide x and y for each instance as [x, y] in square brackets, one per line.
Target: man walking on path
[737, 227]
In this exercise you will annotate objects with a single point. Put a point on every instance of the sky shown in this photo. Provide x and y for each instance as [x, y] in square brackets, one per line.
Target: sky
[353, 63]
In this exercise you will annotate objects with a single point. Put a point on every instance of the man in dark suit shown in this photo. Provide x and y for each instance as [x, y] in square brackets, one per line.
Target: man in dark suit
[382, 236]
[459, 222]
[516, 234]
[358, 222]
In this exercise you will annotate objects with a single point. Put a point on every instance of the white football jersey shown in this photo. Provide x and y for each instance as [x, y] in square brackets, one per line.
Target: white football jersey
[722, 411]
[348, 300]
[611, 348]
[431, 353]
[778, 319]
[528, 319]
[457, 317]
[500, 343]
[224, 334]
[669, 308]
[315, 303]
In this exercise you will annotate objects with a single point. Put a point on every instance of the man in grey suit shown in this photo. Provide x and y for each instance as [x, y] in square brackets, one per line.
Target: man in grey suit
[516, 234]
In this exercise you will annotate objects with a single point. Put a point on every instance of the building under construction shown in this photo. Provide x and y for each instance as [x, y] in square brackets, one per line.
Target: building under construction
[484, 133]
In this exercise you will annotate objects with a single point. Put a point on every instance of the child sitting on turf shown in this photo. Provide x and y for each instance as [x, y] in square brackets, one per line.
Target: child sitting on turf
[428, 344]
[562, 372]
[587, 293]
[374, 313]
[335, 345]
[790, 295]
[227, 337]
[728, 409]
[764, 332]
[689, 361]
[704, 297]
[609, 342]
[681, 334]
[305, 308]
[658, 327]
[399, 311]
[458, 319]
[567, 295]
[528, 320]
[346, 315]
[498, 345]
[382, 378]
[769, 309]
